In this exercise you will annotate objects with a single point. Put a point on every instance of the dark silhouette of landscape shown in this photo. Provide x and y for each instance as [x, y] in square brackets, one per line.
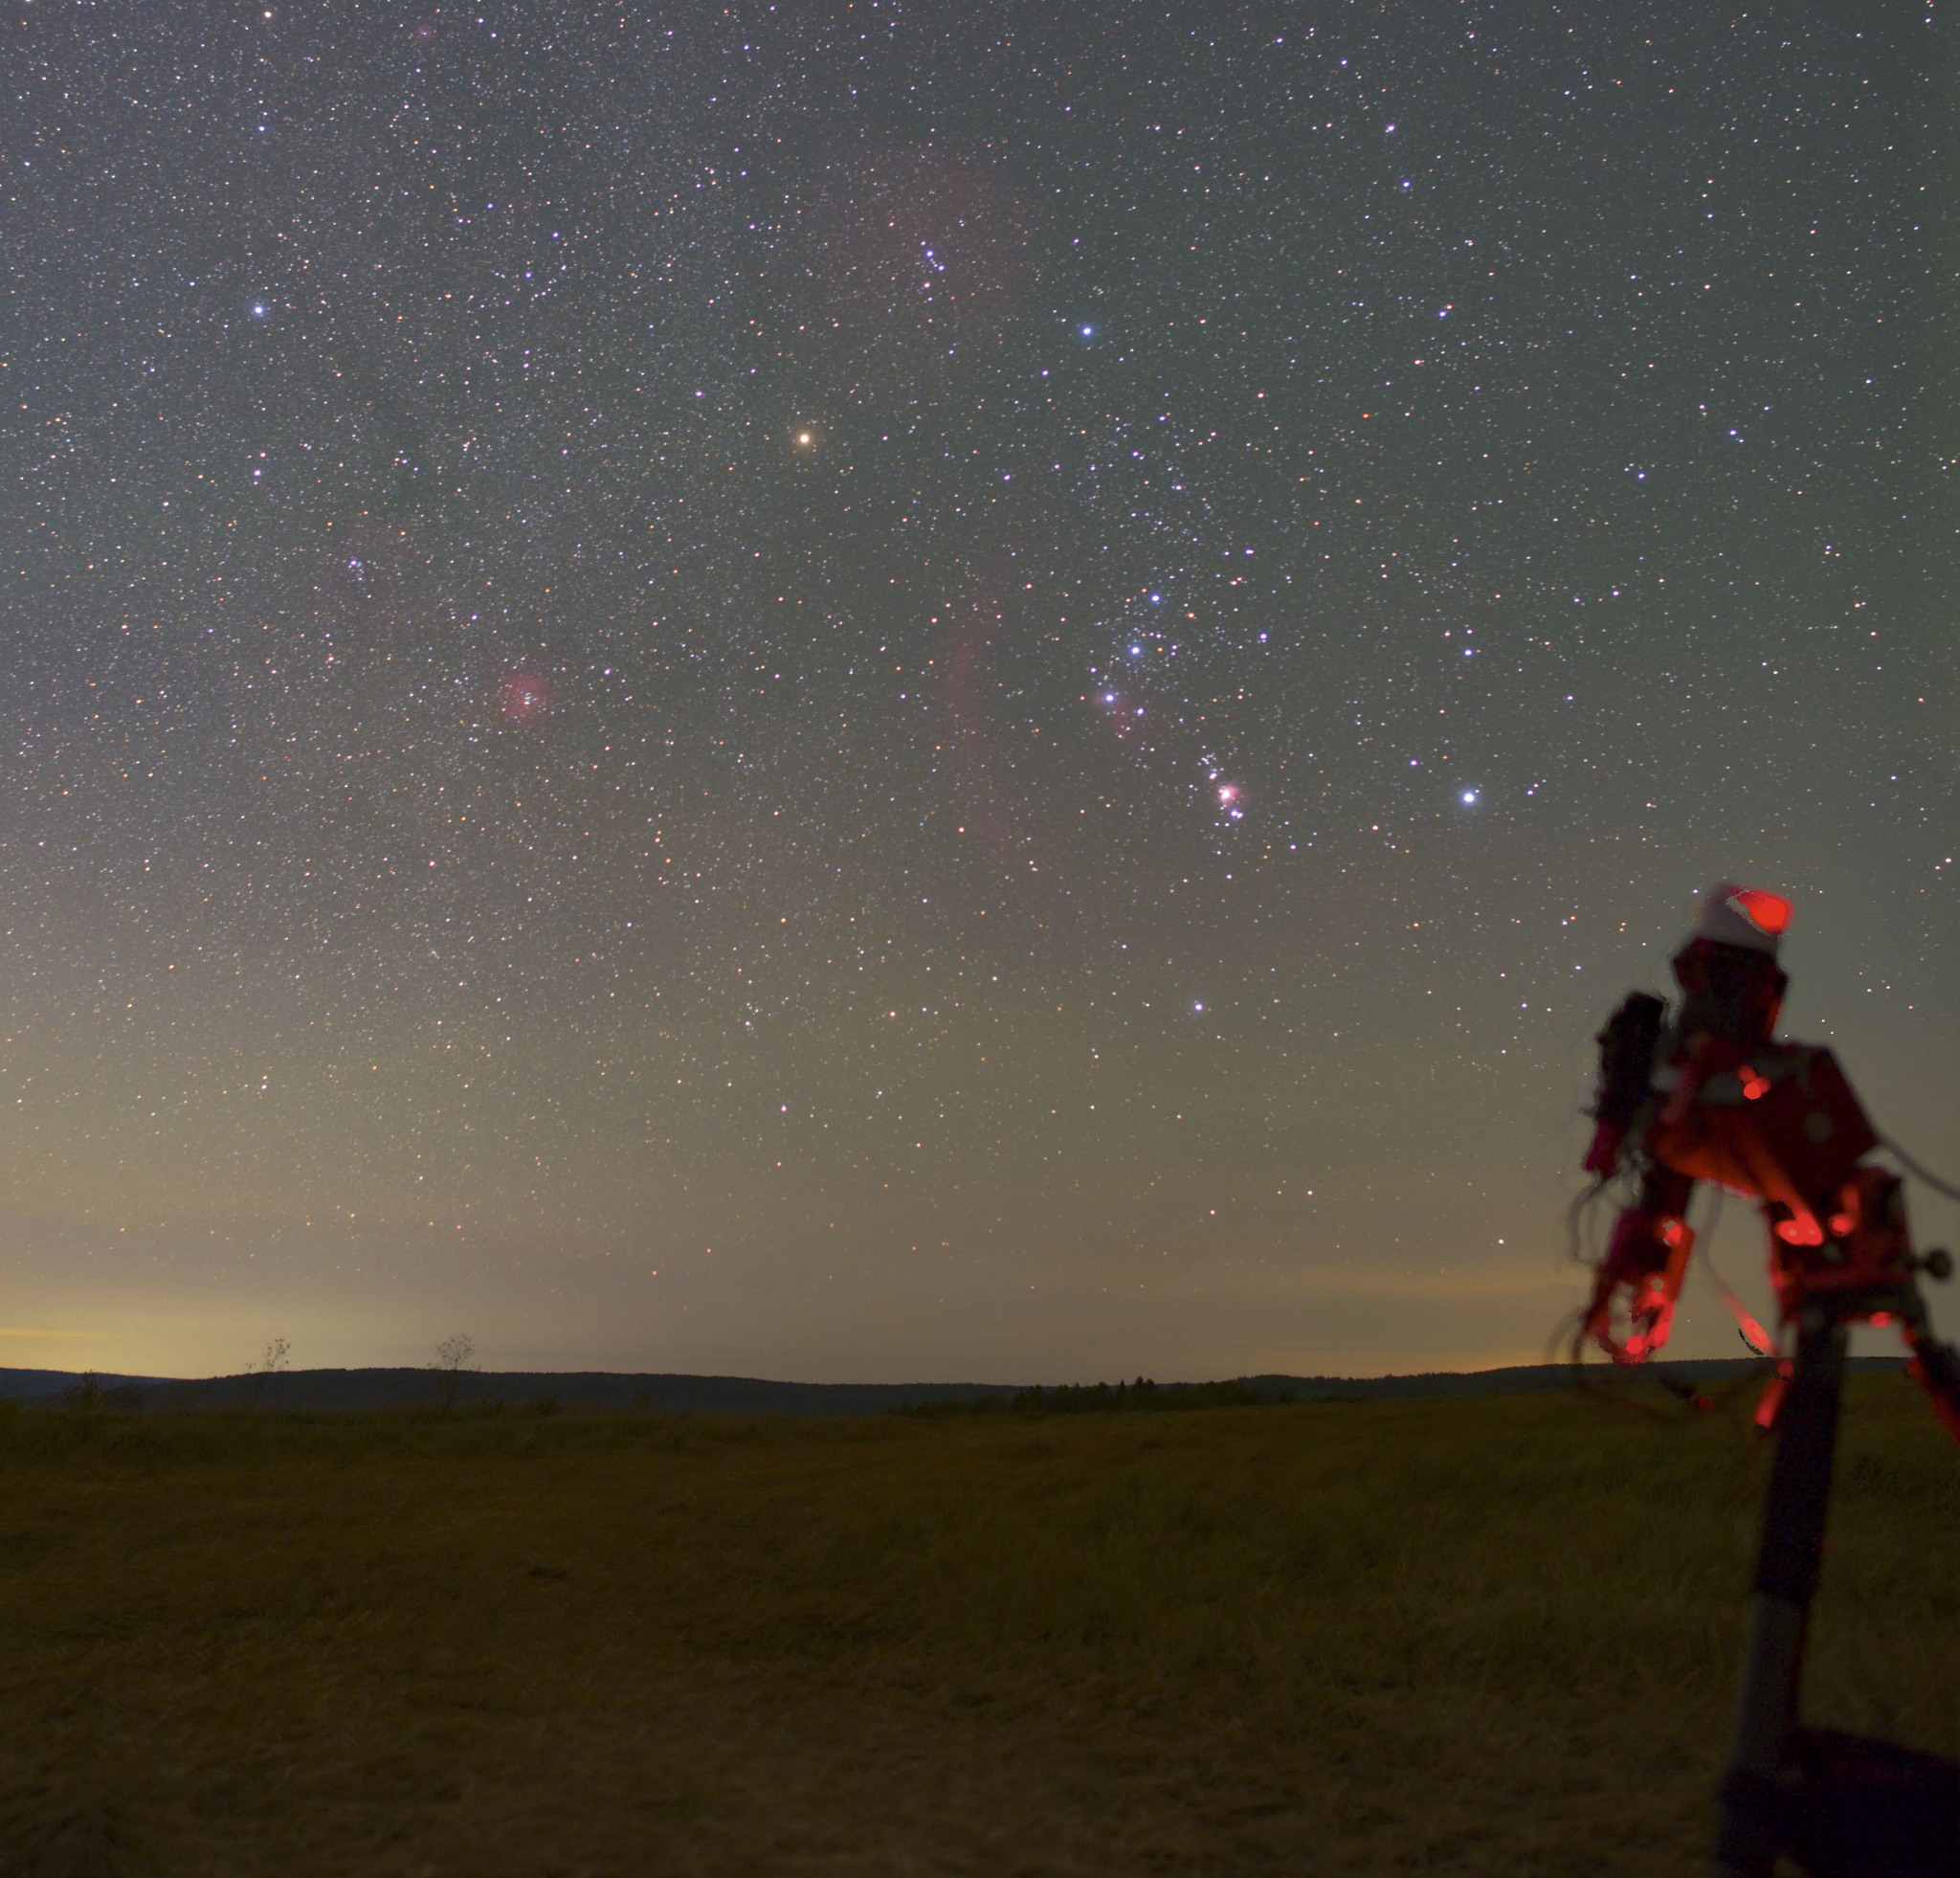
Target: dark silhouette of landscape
[317, 1390]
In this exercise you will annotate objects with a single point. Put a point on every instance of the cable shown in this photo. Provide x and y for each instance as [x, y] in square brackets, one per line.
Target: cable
[1911, 1165]
[1576, 1210]
[1753, 1335]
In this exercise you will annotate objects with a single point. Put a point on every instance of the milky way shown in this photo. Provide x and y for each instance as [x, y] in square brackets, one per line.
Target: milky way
[896, 691]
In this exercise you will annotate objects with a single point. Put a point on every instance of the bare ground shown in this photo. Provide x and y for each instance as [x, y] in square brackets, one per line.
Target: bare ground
[1203, 1647]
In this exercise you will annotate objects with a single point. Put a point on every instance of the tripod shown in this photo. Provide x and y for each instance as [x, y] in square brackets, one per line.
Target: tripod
[1711, 1097]
[1842, 1807]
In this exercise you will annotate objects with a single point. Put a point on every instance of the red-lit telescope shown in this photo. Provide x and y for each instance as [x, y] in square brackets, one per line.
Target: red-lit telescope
[526, 697]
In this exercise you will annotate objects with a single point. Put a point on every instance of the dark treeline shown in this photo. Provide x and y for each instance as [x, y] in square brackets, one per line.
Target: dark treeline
[360, 1391]
[1090, 1398]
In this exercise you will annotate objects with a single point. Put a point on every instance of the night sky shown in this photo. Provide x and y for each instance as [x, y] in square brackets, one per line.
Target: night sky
[946, 691]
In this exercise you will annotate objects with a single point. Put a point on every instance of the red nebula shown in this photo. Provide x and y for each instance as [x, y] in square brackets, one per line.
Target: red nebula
[526, 697]
[971, 687]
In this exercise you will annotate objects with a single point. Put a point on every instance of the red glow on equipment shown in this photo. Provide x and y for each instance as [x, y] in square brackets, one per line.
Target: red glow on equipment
[1767, 912]
[1752, 1333]
[1644, 1266]
[1795, 1145]
[1711, 1096]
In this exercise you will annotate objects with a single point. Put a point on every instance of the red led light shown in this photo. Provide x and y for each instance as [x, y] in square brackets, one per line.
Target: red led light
[1755, 1084]
[1842, 1225]
[1767, 912]
[1672, 1232]
[1800, 1232]
[1752, 1333]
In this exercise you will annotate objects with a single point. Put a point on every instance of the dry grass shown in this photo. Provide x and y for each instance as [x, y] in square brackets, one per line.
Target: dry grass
[1483, 1637]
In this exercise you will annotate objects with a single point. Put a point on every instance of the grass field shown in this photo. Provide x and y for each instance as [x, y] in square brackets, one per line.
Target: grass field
[1489, 1635]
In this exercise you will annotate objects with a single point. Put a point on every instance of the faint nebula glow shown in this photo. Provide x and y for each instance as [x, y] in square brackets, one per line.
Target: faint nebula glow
[526, 697]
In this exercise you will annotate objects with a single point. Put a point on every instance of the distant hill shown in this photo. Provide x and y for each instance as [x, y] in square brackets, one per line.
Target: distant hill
[739, 1395]
[413, 1388]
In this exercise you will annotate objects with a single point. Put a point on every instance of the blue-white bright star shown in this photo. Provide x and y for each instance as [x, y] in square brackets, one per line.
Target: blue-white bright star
[1469, 798]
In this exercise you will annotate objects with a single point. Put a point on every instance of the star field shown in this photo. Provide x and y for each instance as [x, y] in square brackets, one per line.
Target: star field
[890, 691]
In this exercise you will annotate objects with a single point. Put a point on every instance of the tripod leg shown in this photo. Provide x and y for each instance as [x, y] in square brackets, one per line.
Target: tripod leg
[1936, 1367]
[1753, 1793]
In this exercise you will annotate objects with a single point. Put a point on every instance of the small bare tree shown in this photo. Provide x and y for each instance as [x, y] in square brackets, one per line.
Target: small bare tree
[455, 1358]
[271, 1363]
[87, 1394]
